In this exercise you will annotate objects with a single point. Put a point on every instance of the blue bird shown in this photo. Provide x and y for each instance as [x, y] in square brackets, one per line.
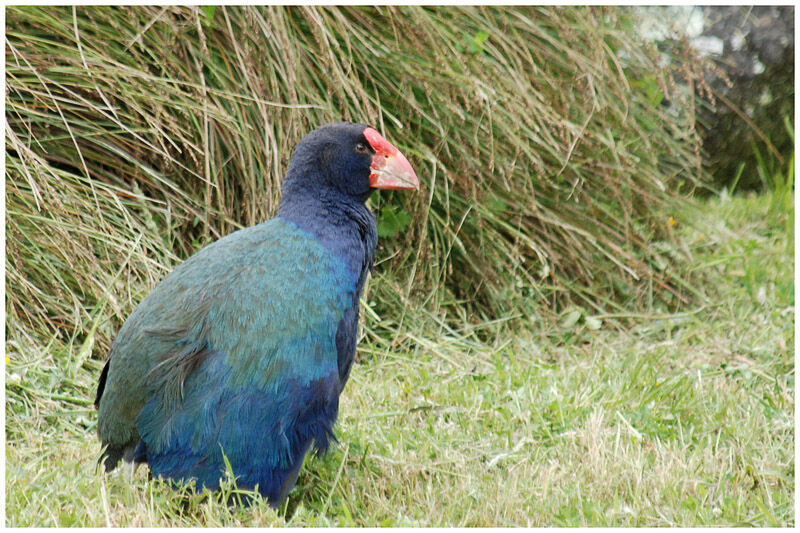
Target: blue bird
[243, 350]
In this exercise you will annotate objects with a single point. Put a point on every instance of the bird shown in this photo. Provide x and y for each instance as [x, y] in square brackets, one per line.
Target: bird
[240, 354]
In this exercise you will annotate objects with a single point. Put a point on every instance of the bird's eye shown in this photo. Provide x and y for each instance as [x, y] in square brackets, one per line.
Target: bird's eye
[361, 148]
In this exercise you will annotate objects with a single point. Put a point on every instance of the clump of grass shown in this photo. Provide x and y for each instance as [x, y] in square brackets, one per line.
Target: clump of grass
[136, 135]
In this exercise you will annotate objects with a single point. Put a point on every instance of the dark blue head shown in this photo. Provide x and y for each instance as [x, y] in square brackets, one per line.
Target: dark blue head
[343, 161]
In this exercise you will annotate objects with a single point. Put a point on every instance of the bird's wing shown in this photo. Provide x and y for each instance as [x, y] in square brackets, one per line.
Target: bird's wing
[241, 357]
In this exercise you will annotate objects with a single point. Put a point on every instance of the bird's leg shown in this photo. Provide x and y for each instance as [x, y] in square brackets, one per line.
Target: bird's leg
[291, 478]
[130, 469]
[129, 461]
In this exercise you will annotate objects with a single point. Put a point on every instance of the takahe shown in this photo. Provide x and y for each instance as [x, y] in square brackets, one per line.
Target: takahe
[244, 348]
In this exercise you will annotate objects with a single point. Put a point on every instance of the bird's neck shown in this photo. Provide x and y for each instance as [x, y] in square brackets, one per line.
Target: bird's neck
[342, 225]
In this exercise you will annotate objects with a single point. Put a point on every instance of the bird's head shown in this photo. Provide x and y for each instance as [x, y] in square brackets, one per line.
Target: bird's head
[348, 159]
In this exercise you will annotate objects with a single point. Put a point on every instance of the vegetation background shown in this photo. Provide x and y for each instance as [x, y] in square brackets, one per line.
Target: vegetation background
[558, 331]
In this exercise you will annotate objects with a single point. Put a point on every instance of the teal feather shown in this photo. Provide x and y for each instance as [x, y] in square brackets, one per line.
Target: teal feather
[262, 326]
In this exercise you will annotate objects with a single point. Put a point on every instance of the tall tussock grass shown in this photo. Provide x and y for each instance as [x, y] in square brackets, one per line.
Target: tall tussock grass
[549, 142]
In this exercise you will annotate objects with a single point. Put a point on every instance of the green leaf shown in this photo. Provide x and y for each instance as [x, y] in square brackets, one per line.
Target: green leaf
[209, 11]
[497, 206]
[570, 317]
[593, 322]
[649, 85]
[392, 221]
[476, 45]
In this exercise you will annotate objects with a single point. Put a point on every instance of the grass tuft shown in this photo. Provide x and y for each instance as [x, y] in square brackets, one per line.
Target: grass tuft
[541, 136]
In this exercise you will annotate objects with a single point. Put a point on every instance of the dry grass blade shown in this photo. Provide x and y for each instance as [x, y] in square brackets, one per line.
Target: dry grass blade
[549, 152]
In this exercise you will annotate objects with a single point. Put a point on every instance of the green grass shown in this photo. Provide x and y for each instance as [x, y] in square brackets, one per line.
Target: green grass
[654, 419]
[538, 133]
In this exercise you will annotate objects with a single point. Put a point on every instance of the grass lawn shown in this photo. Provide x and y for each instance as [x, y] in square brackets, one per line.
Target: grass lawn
[647, 420]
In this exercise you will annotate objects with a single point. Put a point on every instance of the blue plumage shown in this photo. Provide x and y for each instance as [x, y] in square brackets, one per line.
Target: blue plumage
[245, 347]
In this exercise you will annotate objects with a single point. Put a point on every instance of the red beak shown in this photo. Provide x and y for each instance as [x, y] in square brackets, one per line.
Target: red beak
[390, 168]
